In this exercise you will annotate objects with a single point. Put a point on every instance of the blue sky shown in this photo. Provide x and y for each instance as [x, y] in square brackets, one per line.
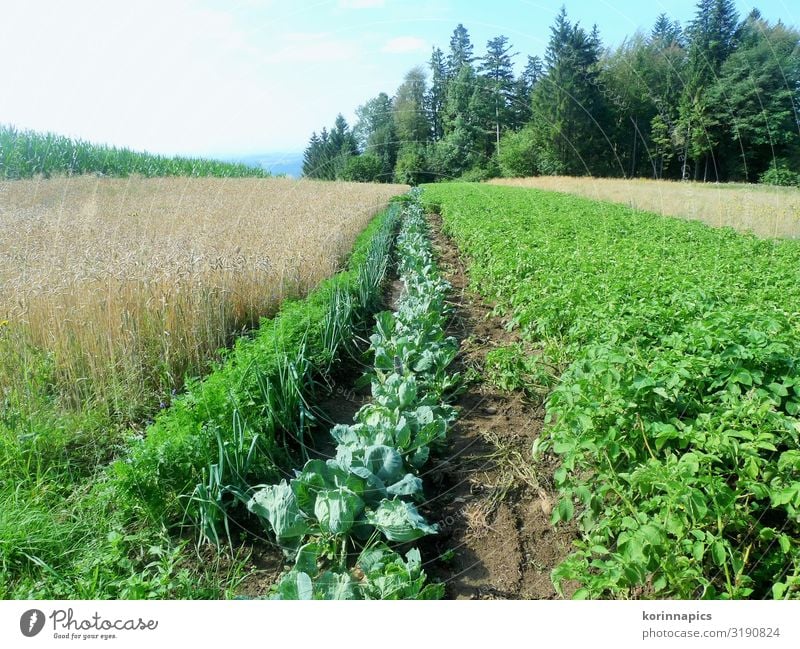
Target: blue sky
[215, 77]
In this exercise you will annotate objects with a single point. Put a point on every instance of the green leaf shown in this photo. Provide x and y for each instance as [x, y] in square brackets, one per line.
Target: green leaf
[344, 434]
[425, 362]
[409, 485]
[718, 552]
[652, 534]
[778, 389]
[307, 558]
[413, 560]
[372, 558]
[741, 376]
[419, 457]
[402, 433]
[661, 392]
[407, 393]
[374, 489]
[425, 415]
[295, 585]
[565, 509]
[337, 509]
[789, 460]
[399, 521]
[335, 586]
[278, 505]
[674, 525]
[385, 462]
[697, 505]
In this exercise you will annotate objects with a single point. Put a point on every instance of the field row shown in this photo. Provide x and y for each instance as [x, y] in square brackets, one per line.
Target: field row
[71, 525]
[675, 419]
[336, 516]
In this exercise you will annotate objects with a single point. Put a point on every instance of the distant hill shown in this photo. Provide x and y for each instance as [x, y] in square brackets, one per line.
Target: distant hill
[279, 162]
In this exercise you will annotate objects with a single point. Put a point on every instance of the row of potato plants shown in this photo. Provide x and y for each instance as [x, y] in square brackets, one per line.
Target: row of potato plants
[337, 517]
[676, 418]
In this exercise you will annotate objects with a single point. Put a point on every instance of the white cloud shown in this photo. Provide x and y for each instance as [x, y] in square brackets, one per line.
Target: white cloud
[404, 45]
[361, 4]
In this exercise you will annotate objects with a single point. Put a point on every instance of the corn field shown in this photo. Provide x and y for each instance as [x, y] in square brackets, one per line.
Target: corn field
[26, 154]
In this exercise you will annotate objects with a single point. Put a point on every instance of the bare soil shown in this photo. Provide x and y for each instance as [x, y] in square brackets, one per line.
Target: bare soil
[492, 504]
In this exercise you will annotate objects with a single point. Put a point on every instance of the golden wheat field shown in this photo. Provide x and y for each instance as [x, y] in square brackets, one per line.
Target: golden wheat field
[119, 287]
[763, 210]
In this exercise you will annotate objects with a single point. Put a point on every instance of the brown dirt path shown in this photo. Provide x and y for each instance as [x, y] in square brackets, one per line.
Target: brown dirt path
[492, 505]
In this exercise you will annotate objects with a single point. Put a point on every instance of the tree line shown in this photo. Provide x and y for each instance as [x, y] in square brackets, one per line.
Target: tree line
[715, 100]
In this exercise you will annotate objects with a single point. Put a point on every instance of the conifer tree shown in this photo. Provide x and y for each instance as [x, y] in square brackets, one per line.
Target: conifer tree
[497, 69]
[437, 95]
[461, 51]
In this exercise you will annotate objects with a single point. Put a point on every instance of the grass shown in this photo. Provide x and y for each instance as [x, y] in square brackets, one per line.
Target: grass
[764, 210]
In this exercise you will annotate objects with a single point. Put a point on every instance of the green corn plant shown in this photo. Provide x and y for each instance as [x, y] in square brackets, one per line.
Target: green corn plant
[24, 154]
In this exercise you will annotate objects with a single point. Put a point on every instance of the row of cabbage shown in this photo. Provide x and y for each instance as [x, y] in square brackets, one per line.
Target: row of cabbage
[337, 517]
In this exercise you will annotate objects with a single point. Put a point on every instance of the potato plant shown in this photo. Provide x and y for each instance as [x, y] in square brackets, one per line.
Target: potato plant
[676, 420]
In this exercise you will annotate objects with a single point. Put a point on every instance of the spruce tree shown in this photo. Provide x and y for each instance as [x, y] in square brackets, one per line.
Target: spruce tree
[666, 33]
[569, 110]
[712, 38]
[437, 95]
[497, 69]
[522, 92]
[461, 51]
[312, 156]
